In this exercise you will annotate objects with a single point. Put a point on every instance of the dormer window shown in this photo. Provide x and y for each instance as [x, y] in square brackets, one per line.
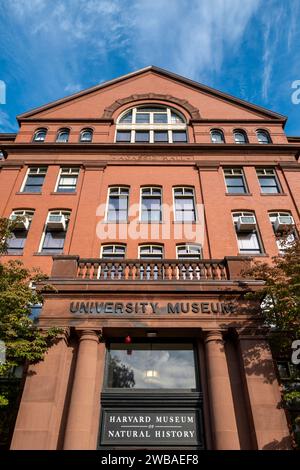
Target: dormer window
[40, 135]
[63, 135]
[151, 124]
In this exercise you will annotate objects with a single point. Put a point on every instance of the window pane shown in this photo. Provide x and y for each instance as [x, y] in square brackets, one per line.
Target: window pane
[161, 136]
[248, 242]
[217, 137]
[127, 117]
[34, 183]
[151, 366]
[160, 118]
[175, 119]
[17, 241]
[239, 138]
[86, 136]
[142, 118]
[54, 242]
[63, 137]
[179, 136]
[123, 136]
[142, 136]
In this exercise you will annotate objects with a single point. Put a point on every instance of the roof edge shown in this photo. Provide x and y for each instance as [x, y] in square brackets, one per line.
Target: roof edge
[166, 73]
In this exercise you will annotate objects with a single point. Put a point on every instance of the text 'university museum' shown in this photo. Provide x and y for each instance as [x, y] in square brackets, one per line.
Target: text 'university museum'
[143, 199]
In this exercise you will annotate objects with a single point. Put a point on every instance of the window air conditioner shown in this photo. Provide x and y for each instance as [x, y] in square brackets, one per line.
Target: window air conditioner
[282, 222]
[56, 222]
[246, 223]
[20, 222]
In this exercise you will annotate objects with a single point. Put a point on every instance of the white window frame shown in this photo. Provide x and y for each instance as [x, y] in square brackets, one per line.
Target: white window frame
[194, 200]
[41, 129]
[217, 131]
[242, 132]
[151, 246]
[188, 246]
[60, 131]
[72, 171]
[274, 215]
[150, 127]
[268, 172]
[235, 172]
[107, 204]
[114, 246]
[267, 133]
[28, 213]
[86, 129]
[141, 199]
[235, 216]
[39, 168]
[66, 213]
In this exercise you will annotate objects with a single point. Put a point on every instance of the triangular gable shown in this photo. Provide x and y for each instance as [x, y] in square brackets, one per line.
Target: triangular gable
[252, 111]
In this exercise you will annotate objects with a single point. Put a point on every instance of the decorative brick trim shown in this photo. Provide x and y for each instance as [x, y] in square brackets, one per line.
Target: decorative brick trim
[108, 112]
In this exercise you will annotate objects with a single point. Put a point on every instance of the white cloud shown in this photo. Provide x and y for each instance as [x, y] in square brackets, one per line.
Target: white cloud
[73, 88]
[5, 123]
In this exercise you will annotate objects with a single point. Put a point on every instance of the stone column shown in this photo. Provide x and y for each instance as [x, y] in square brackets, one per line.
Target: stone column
[83, 417]
[43, 399]
[224, 427]
[270, 424]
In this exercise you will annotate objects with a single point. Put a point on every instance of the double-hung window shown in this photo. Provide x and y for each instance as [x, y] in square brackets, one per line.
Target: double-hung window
[21, 222]
[235, 181]
[268, 181]
[184, 202]
[34, 180]
[55, 232]
[117, 210]
[67, 180]
[284, 229]
[247, 233]
[151, 204]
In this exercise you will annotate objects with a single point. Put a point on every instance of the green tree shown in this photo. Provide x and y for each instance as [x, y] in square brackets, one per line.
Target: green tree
[24, 342]
[280, 305]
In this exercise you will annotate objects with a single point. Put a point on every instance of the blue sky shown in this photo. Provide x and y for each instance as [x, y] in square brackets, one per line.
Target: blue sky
[53, 48]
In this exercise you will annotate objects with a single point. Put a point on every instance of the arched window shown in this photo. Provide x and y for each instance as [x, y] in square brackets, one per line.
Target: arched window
[40, 135]
[63, 135]
[263, 136]
[217, 136]
[240, 136]
[151, 124]
[86, 135]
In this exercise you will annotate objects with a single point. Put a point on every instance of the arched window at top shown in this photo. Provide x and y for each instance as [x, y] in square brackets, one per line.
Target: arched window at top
[86, 135]
[217, 136]
[151, 124]
[63, 135]
[263, 136]
[240, 136]
[40, 135]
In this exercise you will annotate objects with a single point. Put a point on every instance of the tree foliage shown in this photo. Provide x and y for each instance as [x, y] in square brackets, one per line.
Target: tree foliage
[25, 343]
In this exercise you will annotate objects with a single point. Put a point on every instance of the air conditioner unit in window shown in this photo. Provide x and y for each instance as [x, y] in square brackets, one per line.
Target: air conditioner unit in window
[56, 222]
[246, 223]
[283, 222]
[20, 222]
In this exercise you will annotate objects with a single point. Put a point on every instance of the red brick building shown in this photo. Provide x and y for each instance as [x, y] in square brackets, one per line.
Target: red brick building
[142, 198]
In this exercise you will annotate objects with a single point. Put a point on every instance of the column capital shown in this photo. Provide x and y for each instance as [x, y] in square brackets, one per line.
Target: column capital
[213, 335]
[89, 334]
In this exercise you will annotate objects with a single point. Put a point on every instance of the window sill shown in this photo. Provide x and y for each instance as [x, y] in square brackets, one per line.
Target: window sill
[258, 255]
[46, 254]
[12, 254]
[238, 194]
[273, 194]
[114, 222]
[194, 222]
[27, 192]
[56, 193]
